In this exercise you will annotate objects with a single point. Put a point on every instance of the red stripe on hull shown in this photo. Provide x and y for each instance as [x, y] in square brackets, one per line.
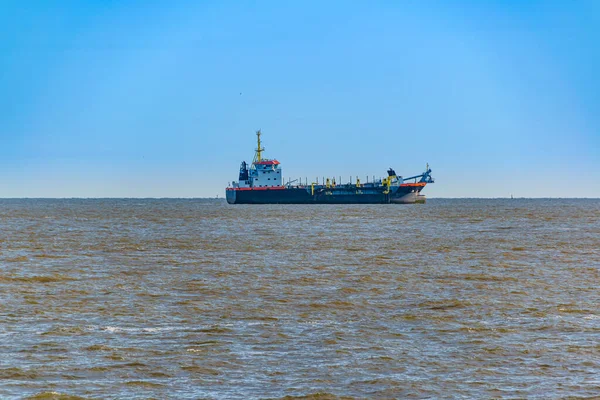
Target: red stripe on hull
[419, 184]
[259, 188]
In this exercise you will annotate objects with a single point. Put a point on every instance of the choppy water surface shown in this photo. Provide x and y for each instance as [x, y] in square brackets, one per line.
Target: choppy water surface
[199, 299]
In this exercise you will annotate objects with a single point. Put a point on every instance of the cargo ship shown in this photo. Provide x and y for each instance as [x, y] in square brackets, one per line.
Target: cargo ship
[262, 183]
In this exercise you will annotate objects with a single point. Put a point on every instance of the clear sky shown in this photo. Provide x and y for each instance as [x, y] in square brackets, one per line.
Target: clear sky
[104, 98]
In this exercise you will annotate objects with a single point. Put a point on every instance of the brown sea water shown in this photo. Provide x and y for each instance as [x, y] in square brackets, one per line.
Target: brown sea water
[200, 299]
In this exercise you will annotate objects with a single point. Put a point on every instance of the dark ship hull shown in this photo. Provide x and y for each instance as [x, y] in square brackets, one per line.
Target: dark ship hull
[345, 194]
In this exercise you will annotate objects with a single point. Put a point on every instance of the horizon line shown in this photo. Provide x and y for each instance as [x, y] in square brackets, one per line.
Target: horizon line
[223, 198]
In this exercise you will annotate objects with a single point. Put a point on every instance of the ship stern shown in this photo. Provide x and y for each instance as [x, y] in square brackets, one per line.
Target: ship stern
[230, 196]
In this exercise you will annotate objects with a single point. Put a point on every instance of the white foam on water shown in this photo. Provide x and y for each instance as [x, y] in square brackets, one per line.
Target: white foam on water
[119, 329]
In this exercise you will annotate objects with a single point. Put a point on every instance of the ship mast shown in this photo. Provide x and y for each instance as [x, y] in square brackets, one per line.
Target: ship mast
[259, 150]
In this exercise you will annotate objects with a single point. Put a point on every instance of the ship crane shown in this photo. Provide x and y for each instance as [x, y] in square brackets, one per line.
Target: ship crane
[425, 176]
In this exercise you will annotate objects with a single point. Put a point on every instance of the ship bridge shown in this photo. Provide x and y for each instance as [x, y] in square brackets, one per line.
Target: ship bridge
[263, 173]
[266, 173]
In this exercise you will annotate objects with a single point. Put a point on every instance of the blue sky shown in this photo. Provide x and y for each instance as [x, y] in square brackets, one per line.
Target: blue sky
[161, 99]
